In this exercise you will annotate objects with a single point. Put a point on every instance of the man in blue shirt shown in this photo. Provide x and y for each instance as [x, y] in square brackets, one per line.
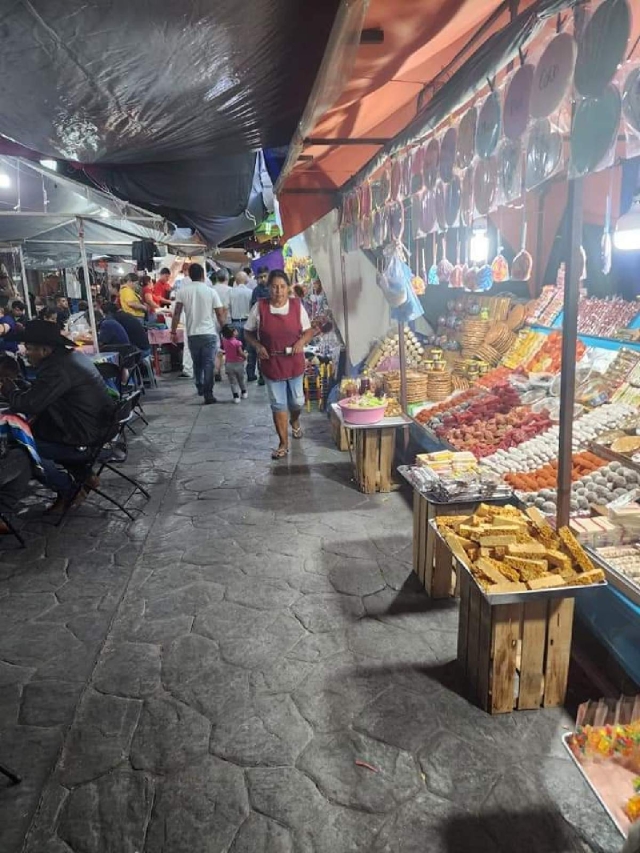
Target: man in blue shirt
[11, 321]
[260, 291]
[110, 331]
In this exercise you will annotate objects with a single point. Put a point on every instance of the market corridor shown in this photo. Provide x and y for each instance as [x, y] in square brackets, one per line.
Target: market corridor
[250, 667]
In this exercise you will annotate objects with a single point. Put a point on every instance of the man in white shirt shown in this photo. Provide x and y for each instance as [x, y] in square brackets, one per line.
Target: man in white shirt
[202, 306]
[221, 287]
[240, 303]
[251, 281]
[178, 281]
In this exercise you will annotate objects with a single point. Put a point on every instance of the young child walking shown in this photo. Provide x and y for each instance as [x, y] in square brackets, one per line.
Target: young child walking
[235, 358]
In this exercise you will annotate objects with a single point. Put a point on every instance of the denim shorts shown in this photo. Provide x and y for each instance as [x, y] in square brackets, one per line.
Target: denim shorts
[285, 394]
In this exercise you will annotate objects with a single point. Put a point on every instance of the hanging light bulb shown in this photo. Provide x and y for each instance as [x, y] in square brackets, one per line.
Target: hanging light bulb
[626, 237]
[5, 181]
[479, 243]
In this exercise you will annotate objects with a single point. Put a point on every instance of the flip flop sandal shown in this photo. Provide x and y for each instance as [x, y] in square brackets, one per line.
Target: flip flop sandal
[279, 453]
[297, 433]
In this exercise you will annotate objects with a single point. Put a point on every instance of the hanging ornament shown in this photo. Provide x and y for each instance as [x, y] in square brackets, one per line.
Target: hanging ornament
[431, 164]
[467, 138]
[488, 130]
[448, 154]
[516, 102]
[552, 76]
[602, 47]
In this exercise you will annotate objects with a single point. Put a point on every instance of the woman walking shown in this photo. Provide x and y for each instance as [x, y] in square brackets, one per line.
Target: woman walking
[279, 329]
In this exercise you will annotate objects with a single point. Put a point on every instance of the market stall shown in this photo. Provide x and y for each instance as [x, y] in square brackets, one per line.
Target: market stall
[514, 386]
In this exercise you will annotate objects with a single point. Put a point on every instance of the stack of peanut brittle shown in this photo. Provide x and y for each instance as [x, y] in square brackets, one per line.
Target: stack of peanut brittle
[511, 551]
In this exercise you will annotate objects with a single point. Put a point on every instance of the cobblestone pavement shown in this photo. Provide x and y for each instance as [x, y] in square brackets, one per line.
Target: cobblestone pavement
[206, 678]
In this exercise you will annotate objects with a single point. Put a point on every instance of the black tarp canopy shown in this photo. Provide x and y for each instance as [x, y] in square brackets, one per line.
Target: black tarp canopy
[170, 102]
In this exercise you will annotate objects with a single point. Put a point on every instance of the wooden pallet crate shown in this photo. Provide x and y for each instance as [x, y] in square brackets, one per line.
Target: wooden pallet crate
[373, 454]
[514, 656]
[433, 562]
[340, 435]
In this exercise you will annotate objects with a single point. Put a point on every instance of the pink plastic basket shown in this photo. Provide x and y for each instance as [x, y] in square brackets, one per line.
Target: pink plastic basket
[361, 417]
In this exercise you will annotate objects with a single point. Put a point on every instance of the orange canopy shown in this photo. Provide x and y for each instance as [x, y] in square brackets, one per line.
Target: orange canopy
[383, 93]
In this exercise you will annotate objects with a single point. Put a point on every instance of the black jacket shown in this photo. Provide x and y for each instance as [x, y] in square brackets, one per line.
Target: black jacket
[134, 328]
[69, 399]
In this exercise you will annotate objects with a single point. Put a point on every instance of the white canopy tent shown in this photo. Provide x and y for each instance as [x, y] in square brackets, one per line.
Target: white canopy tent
[52, 221]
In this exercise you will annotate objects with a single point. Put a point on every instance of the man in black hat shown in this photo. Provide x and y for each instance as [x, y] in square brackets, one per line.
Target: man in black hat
[68, 404]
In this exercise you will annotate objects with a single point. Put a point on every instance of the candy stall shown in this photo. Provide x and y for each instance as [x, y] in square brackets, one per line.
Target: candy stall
[519, 392]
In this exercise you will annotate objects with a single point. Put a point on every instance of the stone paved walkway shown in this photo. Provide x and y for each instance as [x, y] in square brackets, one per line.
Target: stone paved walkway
[205, 679]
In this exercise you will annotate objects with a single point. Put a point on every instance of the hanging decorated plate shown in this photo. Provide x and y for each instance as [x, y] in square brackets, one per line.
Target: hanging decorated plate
[510, 168]
[346, 211]
[488, 129]
[631, 99]
[407, 175]
[365, 204]
[385, 183]
[431, 164]
[396, 179]
[544, 152]
[417, 167]
[467, 138]
[602, 47]
[416, 216]
[386, 222]
[485, 184]
[452, 201]
[366, 233]
[466, 198]
[552, 75]
[428, 212]
[396, 221]
[448, 154]
[377, 232]
[441, 215]
[595, 130]
[355, 208]
[516, 102]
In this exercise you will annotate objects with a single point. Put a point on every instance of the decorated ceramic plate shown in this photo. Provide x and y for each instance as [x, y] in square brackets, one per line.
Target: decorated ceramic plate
[441, 214]
[417, 169]
[448, 154]
[466, 198]
[431, 164]
[552, 75]
[488, 129]
[365, 204]
[396, 179]
[416, 216]
[428, 212]
[595, 129]
[385, 183]
[452, 201]
[602, 47]
[510, 168]
[467, 138]
[631, 99]
[396, 221]
[485, 183]
[407, 175]
[544, 152]
[516, 102]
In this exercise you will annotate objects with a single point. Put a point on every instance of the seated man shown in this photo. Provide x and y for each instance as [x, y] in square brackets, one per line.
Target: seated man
[62, 307]
[136, 332]
[68, 403]
[110, 331]
[12, 320]
[130, 300]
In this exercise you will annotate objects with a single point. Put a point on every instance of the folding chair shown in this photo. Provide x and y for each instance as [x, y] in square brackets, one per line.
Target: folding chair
[13, 532]
[101, 456]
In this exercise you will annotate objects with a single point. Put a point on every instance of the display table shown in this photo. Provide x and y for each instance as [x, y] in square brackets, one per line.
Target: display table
[373, 451]
[514, 656]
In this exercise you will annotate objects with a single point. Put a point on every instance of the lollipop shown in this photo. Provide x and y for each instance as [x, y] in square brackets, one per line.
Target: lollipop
[444, 271]
[484, 278]
[432, 275]
[417, 285]
[500, 268]
[522, 266]
[456, 276]
[470, 278]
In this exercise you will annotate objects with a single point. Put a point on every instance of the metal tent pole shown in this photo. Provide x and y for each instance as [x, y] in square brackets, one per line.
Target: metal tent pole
[87, 282]
[345, 306]
[25, 286]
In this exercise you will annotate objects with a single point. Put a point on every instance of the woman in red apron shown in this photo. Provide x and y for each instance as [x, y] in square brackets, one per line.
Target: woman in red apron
[279, 329]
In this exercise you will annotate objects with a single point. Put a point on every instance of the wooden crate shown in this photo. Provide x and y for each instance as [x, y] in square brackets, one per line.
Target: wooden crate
[432, 560]
[374, 450]
[340, 435]
[514, 656]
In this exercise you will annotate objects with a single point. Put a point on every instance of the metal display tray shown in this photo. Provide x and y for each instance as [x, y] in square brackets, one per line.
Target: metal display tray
[463, 500]
[518, 597]
[565, 741]
[615, 577]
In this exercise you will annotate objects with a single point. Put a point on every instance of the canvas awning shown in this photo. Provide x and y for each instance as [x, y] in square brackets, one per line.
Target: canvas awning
[39, 210]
